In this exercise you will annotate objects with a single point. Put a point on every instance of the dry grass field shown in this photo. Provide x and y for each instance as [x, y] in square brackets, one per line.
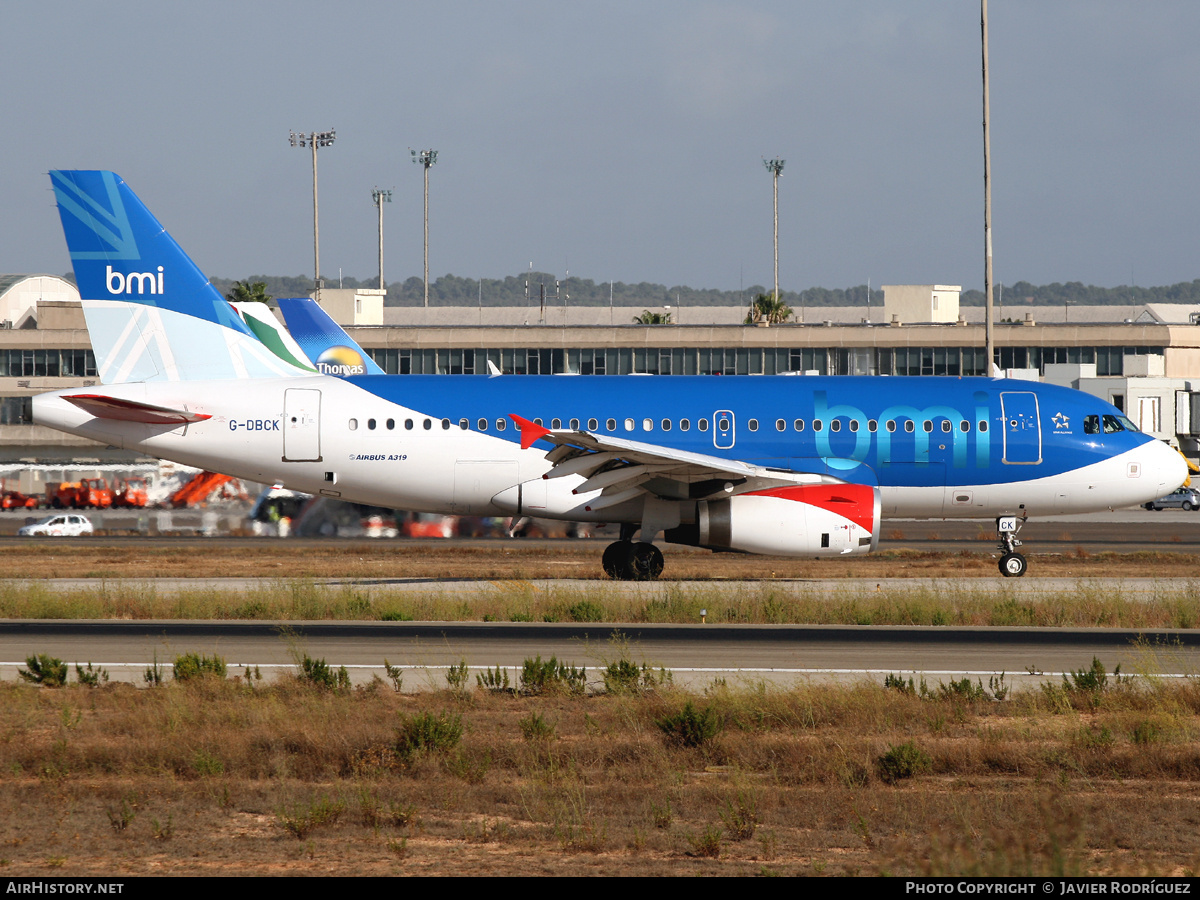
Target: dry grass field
[1097, 775]
[526, 560]
[227, 777]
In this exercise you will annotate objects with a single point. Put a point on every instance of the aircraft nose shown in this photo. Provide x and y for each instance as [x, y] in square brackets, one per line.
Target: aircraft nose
[1168, 466]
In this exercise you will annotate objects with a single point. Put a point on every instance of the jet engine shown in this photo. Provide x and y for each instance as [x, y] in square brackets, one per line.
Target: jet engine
[801, 520]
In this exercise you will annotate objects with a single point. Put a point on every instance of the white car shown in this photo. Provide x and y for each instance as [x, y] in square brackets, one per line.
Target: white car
[62, 525]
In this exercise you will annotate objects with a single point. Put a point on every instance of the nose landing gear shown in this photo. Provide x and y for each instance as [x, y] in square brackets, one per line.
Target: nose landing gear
[1012, 563]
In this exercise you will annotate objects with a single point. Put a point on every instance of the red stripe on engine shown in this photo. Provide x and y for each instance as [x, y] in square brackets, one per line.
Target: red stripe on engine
[855, 502]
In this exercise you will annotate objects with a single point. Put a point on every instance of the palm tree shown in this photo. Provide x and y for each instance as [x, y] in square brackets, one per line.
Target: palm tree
[768, 310]
[652, 318]
[245, 292]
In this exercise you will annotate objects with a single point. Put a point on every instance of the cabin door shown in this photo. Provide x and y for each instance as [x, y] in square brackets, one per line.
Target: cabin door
[1022, 428]
[301, 425]
[723, 429]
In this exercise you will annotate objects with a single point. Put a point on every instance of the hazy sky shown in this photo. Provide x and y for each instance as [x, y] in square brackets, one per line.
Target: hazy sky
[621, 139]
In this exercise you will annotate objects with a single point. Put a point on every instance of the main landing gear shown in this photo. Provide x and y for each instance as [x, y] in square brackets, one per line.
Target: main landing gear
[628, 561]
[1012, 563]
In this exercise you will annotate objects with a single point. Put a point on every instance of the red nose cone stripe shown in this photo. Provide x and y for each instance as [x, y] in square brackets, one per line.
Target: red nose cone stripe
[530, 431]
[855, 502]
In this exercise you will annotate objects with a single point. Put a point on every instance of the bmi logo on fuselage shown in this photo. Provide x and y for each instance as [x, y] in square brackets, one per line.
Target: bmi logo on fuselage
[120, 283]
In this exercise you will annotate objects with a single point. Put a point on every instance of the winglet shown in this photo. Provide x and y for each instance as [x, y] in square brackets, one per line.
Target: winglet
[530, 431]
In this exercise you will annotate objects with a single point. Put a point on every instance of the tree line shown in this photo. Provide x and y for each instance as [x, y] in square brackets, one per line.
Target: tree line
[538, 287]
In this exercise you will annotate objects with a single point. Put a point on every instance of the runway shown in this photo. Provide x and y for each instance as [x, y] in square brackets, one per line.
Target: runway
[694, 653]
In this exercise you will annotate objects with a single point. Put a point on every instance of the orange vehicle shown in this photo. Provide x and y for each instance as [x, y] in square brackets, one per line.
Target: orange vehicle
[130, 492]
[205, 487]
[10, 499]
[62, 495]
[93, 493]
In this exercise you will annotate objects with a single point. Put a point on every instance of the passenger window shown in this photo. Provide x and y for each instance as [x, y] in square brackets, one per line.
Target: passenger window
[428, 424]
[408, 425]
[537, 422]
[780, 425]
[611, 424]
[946, 426]
[891, 425]
[964, 426]
[818, 424]
[928, 426]
[501, 424]
[464, 424]
[835, 425]
[593, 425]
[702, 424]
[574, 424]
[629, 424]
[391, 424]
[752, 424]
[482, 423]
[647, 424]
[371, 424]
[854, 424]
[723, 424]
[354, 424]
[798, 425]
[665, 424]
[684, 424]
[910, 426]
[982, 426]
[445, 424]
[872, 426]
[556, 424]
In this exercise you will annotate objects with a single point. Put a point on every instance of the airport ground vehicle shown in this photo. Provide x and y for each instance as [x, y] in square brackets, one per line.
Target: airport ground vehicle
[1183, 498]
[14, 499]
[58, 525]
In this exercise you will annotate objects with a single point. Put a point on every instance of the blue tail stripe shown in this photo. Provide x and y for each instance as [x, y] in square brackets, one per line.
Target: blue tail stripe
[122, 253]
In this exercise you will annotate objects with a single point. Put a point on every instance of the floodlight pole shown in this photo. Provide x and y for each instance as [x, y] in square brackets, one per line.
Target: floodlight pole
[426, 158]
[989, 337]
[380, 198]
[314, 139]
[775, 167]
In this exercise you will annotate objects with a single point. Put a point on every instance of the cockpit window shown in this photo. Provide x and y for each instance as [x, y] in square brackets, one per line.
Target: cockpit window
[1113, 424]
[1091, 424]
[1128, 423]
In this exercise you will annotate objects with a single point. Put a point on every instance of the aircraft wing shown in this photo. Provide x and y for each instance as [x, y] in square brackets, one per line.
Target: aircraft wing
[622, 469]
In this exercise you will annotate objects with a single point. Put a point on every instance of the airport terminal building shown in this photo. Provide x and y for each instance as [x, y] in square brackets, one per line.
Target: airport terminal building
[1144, 359]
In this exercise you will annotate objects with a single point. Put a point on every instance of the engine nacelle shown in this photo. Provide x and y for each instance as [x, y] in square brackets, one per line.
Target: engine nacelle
[804, 520]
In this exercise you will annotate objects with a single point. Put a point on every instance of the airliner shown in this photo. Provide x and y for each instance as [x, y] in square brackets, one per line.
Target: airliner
[805, 466]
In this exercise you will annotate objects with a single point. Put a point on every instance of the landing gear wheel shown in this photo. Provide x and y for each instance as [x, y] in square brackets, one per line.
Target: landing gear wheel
[645, 562]
[615, 560]
[1012, 565]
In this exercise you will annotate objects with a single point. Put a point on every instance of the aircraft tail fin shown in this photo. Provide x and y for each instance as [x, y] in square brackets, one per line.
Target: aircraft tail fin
[151, 313]
[323, 341]
[268, 329]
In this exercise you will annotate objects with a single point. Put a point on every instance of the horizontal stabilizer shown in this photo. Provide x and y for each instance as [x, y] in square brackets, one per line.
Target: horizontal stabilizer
[131, 411]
